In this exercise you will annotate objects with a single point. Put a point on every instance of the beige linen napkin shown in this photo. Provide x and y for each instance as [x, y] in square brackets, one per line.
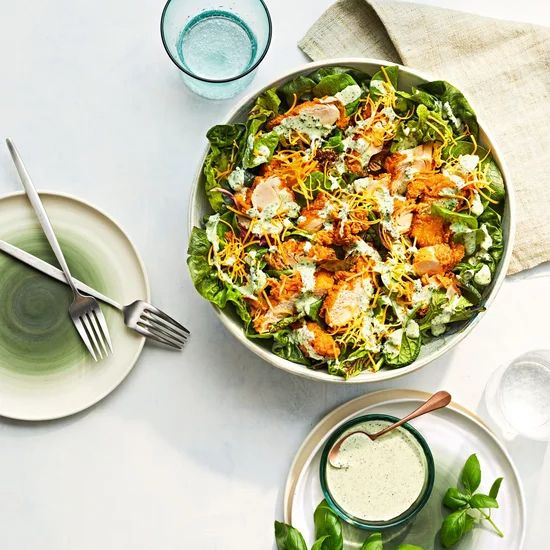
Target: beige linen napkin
[503, 66]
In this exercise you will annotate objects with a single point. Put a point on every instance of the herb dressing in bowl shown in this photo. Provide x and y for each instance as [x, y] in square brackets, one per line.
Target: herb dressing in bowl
[379, 483]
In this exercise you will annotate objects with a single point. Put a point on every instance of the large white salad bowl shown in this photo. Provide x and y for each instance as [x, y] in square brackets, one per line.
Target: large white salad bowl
[199, 207]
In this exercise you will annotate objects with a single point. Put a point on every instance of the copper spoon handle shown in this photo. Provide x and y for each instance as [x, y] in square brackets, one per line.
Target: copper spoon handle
[438, 400]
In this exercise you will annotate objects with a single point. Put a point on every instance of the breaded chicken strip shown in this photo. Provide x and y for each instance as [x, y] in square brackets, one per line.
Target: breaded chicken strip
[439, 258]
[319, 341]
[329, 112]
[292, 252]
[429, 230]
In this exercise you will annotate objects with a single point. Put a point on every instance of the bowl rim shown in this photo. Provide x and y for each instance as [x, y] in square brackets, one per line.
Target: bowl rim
[386, 374]
[410, 512]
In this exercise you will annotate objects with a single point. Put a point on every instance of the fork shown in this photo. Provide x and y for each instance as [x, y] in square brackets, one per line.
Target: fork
[84, 310]
[139, 316]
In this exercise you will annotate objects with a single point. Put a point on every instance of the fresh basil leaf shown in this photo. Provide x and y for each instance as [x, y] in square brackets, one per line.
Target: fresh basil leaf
[332, 84]
[327, 523]
[495, 488]
[471, 474]
[454, 217]
[318, 544]
[483, 501]
[288, 538]
[453, 528]
[374, 542]
[470, 523]
[455, 499]
[409, 547]
[297, 89]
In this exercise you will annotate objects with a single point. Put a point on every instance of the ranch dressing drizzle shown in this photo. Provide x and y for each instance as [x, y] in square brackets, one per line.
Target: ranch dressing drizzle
[379, 479]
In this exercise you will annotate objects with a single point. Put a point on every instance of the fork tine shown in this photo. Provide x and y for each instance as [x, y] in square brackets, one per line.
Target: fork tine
[161, 335]
[93, 319]
[159, 322]
[148, 334]
[104, 328]
[152, 309]
[82, 332]
[153, 325]
[89, 329]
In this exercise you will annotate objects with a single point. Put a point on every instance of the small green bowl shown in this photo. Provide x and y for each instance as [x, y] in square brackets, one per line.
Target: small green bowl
[408, 514]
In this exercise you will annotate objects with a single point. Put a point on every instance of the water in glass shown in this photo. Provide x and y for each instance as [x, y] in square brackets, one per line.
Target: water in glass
[518, 396]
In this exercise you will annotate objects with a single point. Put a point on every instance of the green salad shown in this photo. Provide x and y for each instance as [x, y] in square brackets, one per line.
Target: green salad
[351, 221]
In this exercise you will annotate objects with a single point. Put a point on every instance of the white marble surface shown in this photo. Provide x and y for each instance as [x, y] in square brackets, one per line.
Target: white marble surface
[193, 449]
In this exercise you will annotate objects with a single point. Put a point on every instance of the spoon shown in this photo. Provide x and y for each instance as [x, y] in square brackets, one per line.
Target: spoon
[437, 401]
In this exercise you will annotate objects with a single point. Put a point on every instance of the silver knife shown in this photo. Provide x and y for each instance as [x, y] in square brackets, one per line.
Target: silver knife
[140, 316]
[53, 272]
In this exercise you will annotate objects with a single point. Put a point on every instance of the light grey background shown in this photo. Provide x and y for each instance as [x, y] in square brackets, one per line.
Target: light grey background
[192, 451]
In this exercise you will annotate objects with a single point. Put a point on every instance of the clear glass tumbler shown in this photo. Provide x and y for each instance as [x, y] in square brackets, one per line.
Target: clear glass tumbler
[518, 396]
[217, 45]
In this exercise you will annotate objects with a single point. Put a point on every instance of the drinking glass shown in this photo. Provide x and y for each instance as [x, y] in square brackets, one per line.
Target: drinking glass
[217, 45]
[518, 396]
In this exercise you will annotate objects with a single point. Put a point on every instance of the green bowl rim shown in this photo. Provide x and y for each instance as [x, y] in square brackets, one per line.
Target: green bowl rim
[412, 510]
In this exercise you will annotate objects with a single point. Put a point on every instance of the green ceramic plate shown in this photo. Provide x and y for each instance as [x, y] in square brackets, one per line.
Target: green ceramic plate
[45, 370]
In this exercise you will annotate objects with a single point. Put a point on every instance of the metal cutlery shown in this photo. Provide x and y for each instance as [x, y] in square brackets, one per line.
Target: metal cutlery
[139, 316]
[84, 310]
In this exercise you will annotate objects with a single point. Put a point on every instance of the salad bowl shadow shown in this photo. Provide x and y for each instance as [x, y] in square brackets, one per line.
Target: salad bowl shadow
[199, 208]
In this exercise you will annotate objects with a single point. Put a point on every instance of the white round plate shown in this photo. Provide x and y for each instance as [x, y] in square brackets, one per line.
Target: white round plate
[45, 370]
[199, 207]
[452, 434]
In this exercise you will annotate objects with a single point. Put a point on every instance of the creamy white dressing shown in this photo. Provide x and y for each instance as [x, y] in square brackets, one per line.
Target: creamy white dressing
[412, 330]
[483, 276]
[476, 207]
[455, 178]
[380, 479]
[371, 328]
[379, 86]
[307, 273]
[487, 241]
[303, 337]
[468, 163]
[456, 122]
[349, 94]
[212, 231]
[304, 302]
[392, 345]
[304, 124]
[236, 179]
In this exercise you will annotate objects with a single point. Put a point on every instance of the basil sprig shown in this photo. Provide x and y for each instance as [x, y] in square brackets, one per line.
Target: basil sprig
[328, 533]
[469, 508]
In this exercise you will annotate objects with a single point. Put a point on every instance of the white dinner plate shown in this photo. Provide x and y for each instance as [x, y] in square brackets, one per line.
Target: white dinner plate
[452, 434]
[45, 370]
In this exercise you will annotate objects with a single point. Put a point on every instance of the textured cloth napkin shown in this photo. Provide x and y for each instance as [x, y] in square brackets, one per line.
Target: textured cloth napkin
[503, 66]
